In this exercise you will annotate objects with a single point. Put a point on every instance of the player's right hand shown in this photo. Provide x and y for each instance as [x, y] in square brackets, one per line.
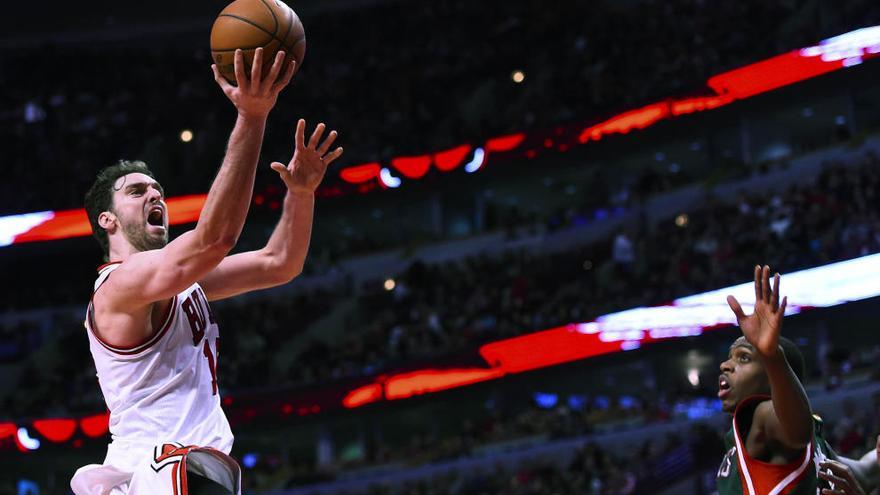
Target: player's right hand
[255, 95]
[761, 328]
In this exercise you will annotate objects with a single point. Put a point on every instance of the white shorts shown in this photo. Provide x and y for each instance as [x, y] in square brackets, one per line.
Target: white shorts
[163, 474]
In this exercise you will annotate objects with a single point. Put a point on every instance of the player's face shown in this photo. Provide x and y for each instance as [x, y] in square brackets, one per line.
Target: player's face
[138, 203]
[742, 375]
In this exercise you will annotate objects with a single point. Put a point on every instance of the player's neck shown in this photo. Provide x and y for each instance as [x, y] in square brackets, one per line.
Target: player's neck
[121, 251]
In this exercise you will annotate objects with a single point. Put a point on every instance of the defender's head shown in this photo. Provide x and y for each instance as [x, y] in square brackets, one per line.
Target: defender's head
[126, 209]
[743, 373]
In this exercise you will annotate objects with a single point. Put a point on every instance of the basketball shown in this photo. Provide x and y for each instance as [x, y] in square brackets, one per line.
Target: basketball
[251, 24]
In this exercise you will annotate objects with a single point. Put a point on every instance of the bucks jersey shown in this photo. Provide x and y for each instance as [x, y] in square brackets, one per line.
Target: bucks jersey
[740, 474]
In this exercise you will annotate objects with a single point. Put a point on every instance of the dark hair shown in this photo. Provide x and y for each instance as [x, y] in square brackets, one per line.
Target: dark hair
[100, 196]
[794, 357]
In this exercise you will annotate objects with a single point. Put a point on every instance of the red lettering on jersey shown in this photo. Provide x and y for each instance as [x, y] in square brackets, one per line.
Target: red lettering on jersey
[204, 300]
[196, 318]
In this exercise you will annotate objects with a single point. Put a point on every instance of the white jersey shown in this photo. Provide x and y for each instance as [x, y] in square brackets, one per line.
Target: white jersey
[163, 390]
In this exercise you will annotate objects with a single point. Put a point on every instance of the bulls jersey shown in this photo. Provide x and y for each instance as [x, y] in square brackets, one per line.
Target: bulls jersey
[164, 389]
[740, 474]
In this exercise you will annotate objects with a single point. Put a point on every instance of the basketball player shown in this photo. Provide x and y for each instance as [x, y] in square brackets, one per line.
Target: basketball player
[151, 332]
[775, 445]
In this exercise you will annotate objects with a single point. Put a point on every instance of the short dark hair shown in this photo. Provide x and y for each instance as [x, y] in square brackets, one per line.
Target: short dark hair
[794, 357]
[100, 196]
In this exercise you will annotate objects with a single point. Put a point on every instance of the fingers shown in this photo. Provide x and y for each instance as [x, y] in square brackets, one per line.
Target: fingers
[316, 135]
[333, 155]
[765, 284]
[757, 283]
[774, 296]
[282, 171]
[238, 64]
[300, 134]
[257, 68]
[285, 79]
[736, 308]
[841, 475]
[273, 72]
[322, 150]
[224, 84]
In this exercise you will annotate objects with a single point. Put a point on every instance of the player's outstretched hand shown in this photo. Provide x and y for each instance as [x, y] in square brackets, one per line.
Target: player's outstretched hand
[762, 327]
[255, 95]
[310, 160]
[841, 477]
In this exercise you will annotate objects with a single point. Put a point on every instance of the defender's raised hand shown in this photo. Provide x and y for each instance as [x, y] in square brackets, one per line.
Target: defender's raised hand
[762, 327]
[255, 95]
[310, 161]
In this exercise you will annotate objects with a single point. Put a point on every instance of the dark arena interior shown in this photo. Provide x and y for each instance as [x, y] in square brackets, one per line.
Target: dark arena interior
[517, 272]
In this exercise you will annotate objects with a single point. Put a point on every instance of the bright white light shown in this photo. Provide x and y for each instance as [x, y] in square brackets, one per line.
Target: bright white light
[186, 135]
[624, 335]
[681, 220]
[630, 345]
[694, 377]
[13, 225]
[389, 284]
[477, 161]
[518, 76]
[821, 287]
[848, 47]
[388, 179]
[26, 441]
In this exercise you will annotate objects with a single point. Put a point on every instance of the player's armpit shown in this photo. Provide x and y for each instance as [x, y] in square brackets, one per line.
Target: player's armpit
[766, 419]
[244, 272]
[160, 274]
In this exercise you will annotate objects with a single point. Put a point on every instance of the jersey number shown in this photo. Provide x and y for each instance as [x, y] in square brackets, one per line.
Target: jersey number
[212, 364]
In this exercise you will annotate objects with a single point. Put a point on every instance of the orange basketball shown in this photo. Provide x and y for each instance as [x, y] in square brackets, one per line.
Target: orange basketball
[251, 24]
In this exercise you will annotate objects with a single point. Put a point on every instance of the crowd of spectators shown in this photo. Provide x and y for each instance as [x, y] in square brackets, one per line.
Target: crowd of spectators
[445, 310]
[400, 88]
[653, 465]
[436, 310]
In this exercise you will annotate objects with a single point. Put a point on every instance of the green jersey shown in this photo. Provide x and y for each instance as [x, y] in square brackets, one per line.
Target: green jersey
[740, 474]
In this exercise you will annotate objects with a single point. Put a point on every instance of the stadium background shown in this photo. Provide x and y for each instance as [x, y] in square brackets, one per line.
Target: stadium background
[469, 209]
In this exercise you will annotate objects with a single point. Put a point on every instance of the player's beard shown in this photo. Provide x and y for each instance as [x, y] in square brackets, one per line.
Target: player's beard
[140, 239]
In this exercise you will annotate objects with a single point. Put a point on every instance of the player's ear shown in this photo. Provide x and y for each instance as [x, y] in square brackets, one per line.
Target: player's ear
[107, 221]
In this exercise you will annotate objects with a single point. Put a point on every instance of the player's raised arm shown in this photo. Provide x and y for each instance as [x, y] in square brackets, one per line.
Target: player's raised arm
[283, 256]
[787, 417]
[156, 275]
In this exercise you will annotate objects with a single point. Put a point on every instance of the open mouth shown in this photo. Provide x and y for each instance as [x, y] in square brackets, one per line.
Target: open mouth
[723, 387]
[156, 217]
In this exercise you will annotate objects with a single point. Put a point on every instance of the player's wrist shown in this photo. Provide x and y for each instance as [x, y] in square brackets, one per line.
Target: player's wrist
[300, 192]
[249, 116]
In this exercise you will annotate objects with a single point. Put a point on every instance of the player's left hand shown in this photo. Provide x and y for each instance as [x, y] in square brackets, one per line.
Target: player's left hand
[844, 482]
[762, 327]
[310, 160]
